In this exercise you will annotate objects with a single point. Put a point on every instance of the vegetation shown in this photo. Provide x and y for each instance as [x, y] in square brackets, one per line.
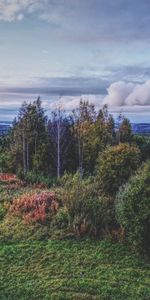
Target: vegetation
[64, 180]
[115, 166]
[72, 270]
[133, 209]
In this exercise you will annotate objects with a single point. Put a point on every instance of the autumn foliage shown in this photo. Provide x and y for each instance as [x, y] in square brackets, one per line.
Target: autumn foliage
[35, 207]
[7, 177]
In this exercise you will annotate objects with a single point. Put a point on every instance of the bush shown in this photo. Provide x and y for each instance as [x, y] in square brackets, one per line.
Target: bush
[115, 165]
[88, 213]
[61, 219]
[3, 210]
[35, 207]
[143, 143]
[13, 229]
[133, 209]
[37, 179]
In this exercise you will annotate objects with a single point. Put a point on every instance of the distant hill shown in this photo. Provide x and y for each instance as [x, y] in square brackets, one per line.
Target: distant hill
[138, 128]
[141, 128]
[4, 127]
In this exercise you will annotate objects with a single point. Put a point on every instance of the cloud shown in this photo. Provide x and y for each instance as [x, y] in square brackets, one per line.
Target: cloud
[105, 21]
[57, 86]
[14, 10]
[71, 102]
[122, 93]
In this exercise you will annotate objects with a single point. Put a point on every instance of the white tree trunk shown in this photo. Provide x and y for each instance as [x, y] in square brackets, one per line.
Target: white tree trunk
[24, 153]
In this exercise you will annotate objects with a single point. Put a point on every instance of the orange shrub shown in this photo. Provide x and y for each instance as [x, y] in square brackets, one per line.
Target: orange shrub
[7, 177]
[35, 207]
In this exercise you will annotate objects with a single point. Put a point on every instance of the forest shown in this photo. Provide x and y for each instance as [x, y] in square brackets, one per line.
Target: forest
[74, 180]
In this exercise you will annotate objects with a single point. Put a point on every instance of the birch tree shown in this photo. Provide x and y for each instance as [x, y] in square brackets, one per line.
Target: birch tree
[58, 128]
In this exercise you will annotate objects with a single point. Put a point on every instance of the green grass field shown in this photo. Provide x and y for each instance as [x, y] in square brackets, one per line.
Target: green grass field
[72, 270]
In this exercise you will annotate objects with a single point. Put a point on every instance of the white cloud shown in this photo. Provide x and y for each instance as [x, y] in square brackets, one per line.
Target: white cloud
[14, 10]
[121, 93]
[11, 10]
[71, 102]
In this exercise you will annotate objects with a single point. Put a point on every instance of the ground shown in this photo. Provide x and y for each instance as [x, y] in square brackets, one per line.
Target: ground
[72, 270]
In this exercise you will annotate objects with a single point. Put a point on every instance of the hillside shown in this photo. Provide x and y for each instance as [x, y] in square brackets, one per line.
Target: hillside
[4, 128]
[138, 128]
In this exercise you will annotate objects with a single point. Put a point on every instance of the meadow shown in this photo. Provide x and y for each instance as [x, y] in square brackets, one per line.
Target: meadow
[84, 269]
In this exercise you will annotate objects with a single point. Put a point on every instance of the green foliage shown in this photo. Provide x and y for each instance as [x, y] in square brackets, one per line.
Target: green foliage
[13, 229]
[133, 209]
[93, 131]
[5, 161]
[37, 178]
[125, 130]
[143, 143]
[3, 211]
[62, 219]
[115, 165]
[73, 270]
[89, 213]
[28, 137]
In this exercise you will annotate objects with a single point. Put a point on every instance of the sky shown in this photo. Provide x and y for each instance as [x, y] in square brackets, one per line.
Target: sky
[65, 50]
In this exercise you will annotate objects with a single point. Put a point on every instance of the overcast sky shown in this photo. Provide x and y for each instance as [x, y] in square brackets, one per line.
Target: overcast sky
[96, 49]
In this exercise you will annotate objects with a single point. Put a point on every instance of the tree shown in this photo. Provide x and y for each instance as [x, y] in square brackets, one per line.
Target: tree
[115, 165]
[84, 117]
[133, 209]
[124, 130]
[143, 142]
[59, 131]
[28, 133]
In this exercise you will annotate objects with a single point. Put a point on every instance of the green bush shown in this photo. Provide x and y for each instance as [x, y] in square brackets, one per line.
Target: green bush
[133, 209]
[61, 219]
[5, 162]
[88, 213]
[13, 229]
[34, 178]
[3, 211]
[115, 165]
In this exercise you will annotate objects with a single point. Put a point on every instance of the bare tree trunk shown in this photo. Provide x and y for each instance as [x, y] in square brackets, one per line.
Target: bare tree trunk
[58, 148]
[80, 154]
[27, 157]
[24, 153]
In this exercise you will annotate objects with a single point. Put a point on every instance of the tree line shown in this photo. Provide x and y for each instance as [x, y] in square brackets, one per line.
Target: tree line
[64, 142]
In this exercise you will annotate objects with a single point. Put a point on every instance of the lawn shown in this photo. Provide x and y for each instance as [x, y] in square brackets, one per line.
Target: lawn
[74, 270]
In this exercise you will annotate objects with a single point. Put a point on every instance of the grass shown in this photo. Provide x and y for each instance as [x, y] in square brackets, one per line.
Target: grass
[72, 270]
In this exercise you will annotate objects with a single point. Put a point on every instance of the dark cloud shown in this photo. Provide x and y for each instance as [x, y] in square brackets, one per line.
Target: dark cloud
[132, 73]
[61, 86]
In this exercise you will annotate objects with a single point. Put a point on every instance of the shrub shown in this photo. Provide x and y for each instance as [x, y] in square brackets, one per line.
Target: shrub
[37, 179]
[13, 229]
[115, 165]
[133, 209]
[89, 214]
[3, 210]
[8, 178]
[61, 219]
[35, 207]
